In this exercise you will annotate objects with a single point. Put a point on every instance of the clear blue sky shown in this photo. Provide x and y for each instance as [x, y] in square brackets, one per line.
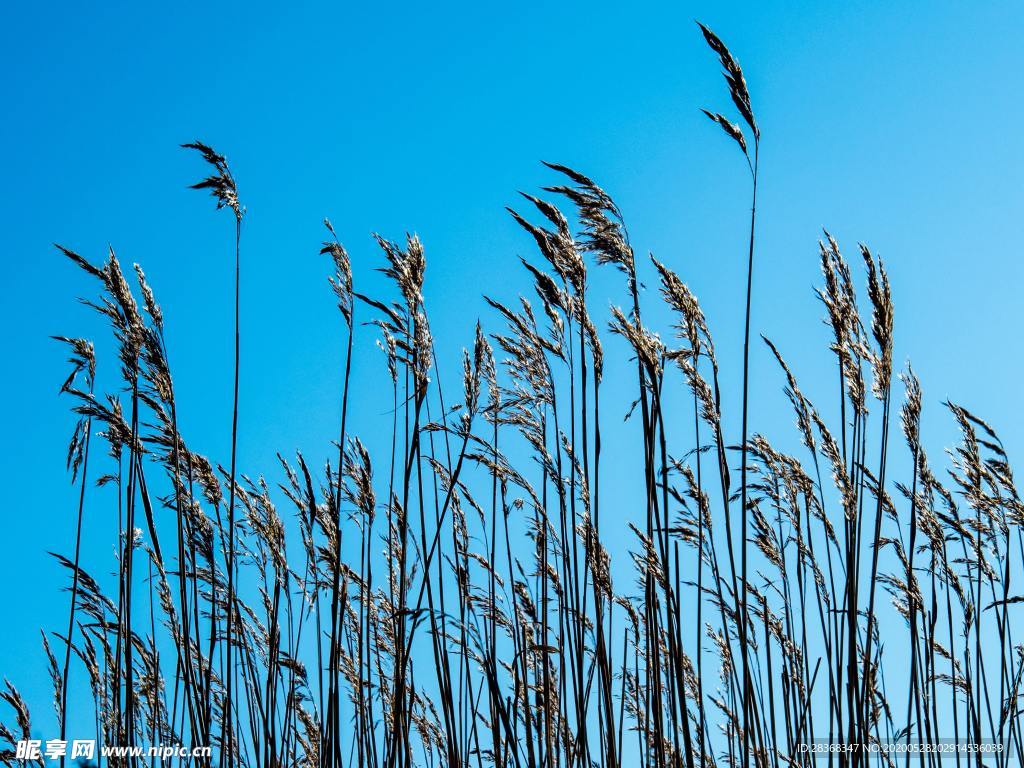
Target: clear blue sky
[896, 124]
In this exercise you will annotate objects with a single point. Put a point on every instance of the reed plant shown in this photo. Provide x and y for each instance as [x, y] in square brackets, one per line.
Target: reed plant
[446, 594]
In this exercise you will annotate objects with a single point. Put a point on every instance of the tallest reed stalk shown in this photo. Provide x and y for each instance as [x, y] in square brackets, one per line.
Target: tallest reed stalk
[741, 99]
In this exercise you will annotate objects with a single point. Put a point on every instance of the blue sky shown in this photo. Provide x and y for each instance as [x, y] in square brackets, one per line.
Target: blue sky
[893, 124]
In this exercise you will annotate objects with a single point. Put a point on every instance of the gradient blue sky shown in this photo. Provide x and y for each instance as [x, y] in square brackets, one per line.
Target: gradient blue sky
[896, 124]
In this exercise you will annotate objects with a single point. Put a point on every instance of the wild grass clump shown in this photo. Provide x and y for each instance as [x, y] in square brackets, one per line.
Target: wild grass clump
[450, 599]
